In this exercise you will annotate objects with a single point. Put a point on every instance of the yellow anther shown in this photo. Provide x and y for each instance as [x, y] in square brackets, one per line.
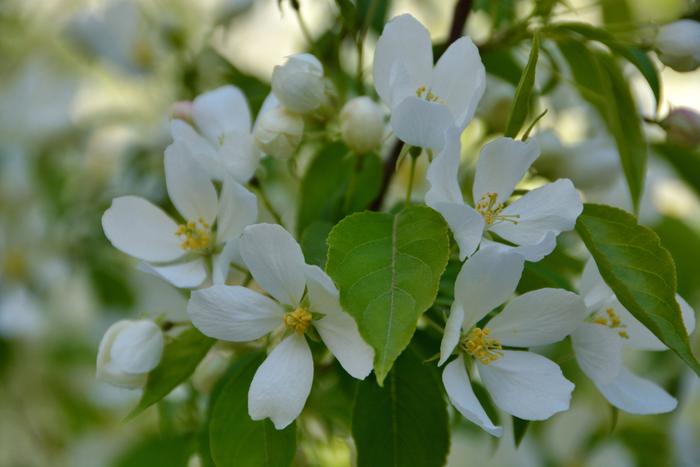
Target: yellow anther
[612, 321]
[480, 346]
[423, 93]
[196, 235]
[298, 320]
[490, 210]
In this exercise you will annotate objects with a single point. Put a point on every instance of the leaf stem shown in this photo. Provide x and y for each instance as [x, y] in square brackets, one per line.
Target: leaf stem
[411, 176]
[255, 183]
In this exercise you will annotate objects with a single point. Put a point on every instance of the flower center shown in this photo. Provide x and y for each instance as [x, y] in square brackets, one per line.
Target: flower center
[612, 321]
[480, 346]
[491, 211]
[423, 93]
[298, 320]
[196, 235]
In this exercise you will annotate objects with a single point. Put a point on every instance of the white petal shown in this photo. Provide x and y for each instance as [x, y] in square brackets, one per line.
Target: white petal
[539, 317]
[534, 252]
[269, 103]
[404, 44]
[238, 208]
[275, 260]
[641, 338]
[461, 394]
[551, 208]
[222, 261]
[189, 187]
[239, 155]
[637, 395]
[459, 80]
[140, 229]
[282, 384]
[107, 371]
[593, 289]
[421, 123]
[486, 281]
[198, 147]
[526, 385]
[452, 333]
[466, 225]
[220, 111]
[340, 333]
[598, 351]
[323, 294]
[137, 348]
[443, 173]
[187, 275]
[233, 313]
[502, 163]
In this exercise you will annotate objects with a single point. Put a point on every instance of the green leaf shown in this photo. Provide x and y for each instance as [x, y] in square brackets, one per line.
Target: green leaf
[180, 358]
[502, 64]
[236, 440]
[600, 81]
[173, 451]
[520, 427]
[373, 13]
[683, 242]
[337, 183]
[523, 93]
[404, 422]
[634, 55]
[640, 272]
[685, 161]
[388, 268]
[313, 242]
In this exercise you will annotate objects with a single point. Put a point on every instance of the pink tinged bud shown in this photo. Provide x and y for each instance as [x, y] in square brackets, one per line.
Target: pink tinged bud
[682, 127]
[182, 110]
[678, 45]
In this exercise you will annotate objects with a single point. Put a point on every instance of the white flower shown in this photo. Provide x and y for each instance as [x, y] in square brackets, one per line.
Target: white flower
[224, 144]
[362, 124]
[532, 221]
[521, 383]
[177, 251]
[128, 351]
[299, 84]
[231, 313]
[425, 101]
[278, 132]
[678, 45]
[599, 342]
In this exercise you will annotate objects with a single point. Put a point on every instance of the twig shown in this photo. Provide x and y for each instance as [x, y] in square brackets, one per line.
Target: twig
[460, 14]
[389, 169]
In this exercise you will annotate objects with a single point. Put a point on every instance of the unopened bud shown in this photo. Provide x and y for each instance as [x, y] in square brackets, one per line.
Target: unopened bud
[299, 84]
[182, 110]
[128, 351]
[678, 45]
[362, 124]
[682, 127]
[279, 132]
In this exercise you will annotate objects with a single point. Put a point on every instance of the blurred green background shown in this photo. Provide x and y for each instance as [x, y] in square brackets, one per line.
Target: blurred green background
[86, 90]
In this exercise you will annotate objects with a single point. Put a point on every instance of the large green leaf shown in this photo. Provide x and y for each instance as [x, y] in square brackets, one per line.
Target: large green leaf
[388, 268]
[640, 272]
[337, 183]
[523, 93]
[180, 358]
[599, 80]
[405, 422]
[236, 440]
[313, 242]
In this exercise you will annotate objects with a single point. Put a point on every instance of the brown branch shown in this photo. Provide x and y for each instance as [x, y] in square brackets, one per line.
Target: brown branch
[389, 169]
[459, 19]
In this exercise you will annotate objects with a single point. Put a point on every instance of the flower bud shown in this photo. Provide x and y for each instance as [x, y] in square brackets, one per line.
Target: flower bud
[678, 45]
[682, 127]
[128, 351]
[299, 83]
[362, 124]
[278, 132]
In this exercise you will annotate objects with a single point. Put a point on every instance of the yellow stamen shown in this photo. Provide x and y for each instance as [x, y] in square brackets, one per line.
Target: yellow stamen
[491, 211]
[298, 320]
[196, 235]
[612, 321]
[429, 96]
[480, 346]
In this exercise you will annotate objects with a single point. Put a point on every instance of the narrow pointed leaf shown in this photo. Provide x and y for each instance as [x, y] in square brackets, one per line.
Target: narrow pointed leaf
[523, 93]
